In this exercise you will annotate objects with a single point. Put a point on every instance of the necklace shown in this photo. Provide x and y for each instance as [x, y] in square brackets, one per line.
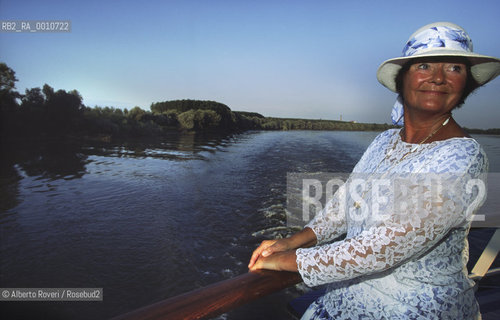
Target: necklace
[357, 204]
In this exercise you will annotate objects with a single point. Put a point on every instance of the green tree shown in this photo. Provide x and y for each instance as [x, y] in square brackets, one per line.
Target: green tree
[136, 113]
[32, 100]
[32, 112]
[8, 100]
[8, 94]
[48, 91]
[199, 120]
[226, 121]
[64, 110]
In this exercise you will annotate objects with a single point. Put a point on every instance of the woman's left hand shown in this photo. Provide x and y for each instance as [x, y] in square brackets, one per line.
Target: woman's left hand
[279, 261]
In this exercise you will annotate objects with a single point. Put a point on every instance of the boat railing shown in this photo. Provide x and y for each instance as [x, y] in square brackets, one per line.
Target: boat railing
[223, 296]
[217, 298]
[483, 264]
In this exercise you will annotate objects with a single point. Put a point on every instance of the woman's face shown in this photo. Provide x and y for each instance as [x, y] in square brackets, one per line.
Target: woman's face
[434, 86]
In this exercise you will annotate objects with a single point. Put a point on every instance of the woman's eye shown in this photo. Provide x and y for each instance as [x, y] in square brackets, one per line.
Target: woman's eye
[423, 66]
[456, 68]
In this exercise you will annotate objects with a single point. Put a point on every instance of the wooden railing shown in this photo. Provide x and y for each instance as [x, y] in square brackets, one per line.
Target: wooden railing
[217, 298]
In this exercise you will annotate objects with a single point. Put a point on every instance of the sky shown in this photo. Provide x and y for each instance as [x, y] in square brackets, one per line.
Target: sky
[296, 59]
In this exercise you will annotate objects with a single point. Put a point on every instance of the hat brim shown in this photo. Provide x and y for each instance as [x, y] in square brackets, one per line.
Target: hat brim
[483, 68]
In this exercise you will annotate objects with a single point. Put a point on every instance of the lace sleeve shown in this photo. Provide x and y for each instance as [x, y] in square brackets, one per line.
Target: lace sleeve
[330, 223]
[413, 226]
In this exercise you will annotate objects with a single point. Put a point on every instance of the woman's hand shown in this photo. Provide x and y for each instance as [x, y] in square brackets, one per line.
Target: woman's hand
[279, 254]
[267, 248]
[279, 261]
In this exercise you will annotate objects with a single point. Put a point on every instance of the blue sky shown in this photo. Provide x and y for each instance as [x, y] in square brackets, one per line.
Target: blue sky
[302, 59]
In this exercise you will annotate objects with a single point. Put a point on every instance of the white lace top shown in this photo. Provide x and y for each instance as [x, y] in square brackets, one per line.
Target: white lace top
[405, 256]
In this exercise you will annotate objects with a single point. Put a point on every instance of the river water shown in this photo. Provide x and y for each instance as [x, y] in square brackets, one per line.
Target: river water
[149, 220]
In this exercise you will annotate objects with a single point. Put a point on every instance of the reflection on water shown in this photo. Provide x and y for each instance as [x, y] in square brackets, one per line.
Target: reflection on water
[53, 160]
[147, 220]
[188, 146]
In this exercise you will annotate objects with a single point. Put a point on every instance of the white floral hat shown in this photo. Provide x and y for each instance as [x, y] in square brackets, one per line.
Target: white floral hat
[440, 39]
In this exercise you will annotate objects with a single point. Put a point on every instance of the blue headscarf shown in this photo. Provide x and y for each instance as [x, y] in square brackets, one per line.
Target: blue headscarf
[397, 114]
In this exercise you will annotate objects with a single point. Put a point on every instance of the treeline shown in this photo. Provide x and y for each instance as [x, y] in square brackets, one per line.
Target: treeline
[483, 131]
[46, 112]
[306, 124]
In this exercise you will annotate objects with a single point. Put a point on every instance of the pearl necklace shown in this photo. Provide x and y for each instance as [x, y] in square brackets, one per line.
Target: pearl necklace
[357, 205]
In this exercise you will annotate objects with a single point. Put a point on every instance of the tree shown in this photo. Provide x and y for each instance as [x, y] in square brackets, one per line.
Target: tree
[32, 113]
[8, 95]
[226, 121]
[199, 119]
[136, 113]
[64, 109]
[8, 100]
[48, 92]
[32, 99]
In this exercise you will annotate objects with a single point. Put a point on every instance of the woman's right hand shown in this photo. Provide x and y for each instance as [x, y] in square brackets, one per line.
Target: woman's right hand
[267, 248]
[302, 239]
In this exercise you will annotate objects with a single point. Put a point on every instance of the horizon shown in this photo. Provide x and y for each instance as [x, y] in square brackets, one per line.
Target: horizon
[283, 59]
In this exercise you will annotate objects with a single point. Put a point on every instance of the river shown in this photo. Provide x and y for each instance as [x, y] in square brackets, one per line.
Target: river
[149, 220]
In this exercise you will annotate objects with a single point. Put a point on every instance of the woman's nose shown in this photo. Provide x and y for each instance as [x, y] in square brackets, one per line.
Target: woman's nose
[438, 75]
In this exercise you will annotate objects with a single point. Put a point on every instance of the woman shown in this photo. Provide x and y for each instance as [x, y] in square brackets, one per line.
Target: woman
[408, 259]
